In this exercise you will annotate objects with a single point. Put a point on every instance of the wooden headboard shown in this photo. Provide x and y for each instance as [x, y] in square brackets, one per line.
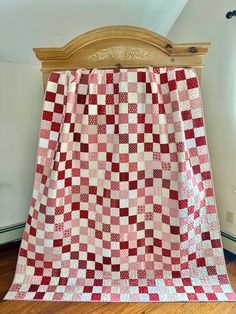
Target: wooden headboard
[123, 46]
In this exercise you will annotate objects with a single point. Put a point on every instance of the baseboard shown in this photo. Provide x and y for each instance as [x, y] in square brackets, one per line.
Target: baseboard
[11, 233]
[229, 241]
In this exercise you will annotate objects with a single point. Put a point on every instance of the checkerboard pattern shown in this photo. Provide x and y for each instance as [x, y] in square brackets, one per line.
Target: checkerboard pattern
[123, 206]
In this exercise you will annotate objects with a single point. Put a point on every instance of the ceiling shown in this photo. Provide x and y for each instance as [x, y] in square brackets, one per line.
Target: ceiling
[25, 24]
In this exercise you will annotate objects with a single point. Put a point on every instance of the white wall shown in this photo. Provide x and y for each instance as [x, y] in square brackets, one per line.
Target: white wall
[21, 99]
[203, 20]
[46, 24]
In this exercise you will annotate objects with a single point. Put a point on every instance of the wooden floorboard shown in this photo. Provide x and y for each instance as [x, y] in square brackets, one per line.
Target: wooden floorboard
[8, 256]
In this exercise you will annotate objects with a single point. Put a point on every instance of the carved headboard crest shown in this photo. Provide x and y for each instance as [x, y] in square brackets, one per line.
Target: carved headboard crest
[121, 45]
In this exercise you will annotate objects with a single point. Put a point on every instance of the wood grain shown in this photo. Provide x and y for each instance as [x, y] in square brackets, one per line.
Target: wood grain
[8, 258]
[124, 46]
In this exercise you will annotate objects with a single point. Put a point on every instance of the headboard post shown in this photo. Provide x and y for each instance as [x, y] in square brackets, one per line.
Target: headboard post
[128, 46]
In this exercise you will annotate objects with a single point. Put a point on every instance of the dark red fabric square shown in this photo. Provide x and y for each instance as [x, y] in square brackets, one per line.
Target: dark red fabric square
[58, 108]
[33, 288]
[156, 138]
[155, 98]
[141, 77]
[183, 204]
[148, 147]
[163, 78]
[174, 195]
[216, 243]
[39, 295]
[153, 297]
[49, 96]
[124, 245]
[54, 77]
[132, 220]
[76, 137]
[68, 182]
[123, 138]
[106, 260]
[124, 176]
[206, 175]
[57, 242]
[96, 296]
[124, 212]
[115, 267]
[166, 252]
[176, 274]
[196, 169]
[148, 128]
[143, 289]
[186, 115]
[132, 252]
[84, 214]
[148, 88]
[47, 115]
[157, 173]
[198, 122]
[110, 119]
[206, 236]
[180, 75]
[174, 230]
[115, 167]
[81, 99]
[92, 99]
[192, 83]
[66, 248]
[38, 271]
[60, 89]
[201, 262]
[88, 289]
[110, 99]
[201, 140]
[164, 148]
[133, 185]
[63, 281]
[56, 126]
[141, 118]
[172, 85]
[84, 147]
[187, 282]
[189, 134]
[211, 296]
[109, 78]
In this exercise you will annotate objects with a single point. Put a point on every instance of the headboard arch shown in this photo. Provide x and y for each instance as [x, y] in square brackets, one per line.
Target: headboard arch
[121, 45]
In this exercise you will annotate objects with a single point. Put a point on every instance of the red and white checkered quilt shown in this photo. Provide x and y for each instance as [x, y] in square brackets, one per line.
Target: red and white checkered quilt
[123, 206]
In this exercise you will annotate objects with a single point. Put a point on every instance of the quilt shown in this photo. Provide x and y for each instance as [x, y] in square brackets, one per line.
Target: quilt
[123, 206]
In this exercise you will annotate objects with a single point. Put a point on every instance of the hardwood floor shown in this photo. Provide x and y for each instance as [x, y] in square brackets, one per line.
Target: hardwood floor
[8, 256]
